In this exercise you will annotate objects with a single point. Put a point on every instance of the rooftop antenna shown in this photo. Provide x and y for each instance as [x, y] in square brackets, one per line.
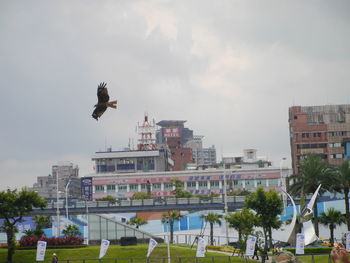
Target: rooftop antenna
[146, 131]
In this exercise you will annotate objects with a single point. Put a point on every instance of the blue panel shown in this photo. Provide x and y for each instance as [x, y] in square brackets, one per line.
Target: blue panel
[183, 223]
[195, 222]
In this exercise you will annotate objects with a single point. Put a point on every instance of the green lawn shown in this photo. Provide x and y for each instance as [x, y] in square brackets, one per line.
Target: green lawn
[122, 253]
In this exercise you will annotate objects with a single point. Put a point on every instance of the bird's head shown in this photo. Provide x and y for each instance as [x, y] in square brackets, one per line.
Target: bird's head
[94, 115]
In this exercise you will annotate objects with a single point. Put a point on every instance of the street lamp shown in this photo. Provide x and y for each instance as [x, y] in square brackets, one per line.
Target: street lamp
[58, 209]
[69, 181]
[168, 228]
[225, 205]
[284, 198]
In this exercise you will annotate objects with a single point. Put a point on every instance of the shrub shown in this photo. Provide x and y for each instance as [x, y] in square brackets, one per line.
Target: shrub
[52, 241]
[312, 250]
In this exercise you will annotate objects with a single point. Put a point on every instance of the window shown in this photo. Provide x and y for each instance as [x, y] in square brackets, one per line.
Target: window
[305, 135]
[168, 186]
[156, 187]
[261, 182]
[122, 188]
[336, 144]
[249, 183]
[336, 156]
[214, 184]
[143, 187]
[110, 188]
[337, 133]
[191, 185]
[273, 182]
[203, 184]
[134, 187]
[99, 188]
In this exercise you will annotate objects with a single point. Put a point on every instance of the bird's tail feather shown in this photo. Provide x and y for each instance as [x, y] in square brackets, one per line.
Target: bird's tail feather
[112, 104]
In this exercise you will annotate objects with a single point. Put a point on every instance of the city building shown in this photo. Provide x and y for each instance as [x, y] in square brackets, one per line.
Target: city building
[174, 135]
[320, 130]
[249, 160]
[62, 173]
[132, 161]
[196, 182]
[202, 157]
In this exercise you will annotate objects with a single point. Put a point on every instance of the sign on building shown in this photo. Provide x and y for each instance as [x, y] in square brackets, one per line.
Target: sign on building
[171, 132]
[86, 188]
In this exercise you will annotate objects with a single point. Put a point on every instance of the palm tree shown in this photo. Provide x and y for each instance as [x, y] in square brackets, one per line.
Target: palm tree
[332, 218]
[212, 218]
[137, 221]
[343, 185]
[169, 217]
[313, 171]
[42, 222]
[71, 231]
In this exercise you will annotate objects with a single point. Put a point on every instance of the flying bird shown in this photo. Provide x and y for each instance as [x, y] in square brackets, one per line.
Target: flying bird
[103, 101]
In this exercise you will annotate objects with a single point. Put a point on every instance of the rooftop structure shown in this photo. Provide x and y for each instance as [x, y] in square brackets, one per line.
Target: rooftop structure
[132, 161]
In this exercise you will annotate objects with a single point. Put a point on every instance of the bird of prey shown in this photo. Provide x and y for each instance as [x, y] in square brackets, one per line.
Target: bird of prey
[103, 101]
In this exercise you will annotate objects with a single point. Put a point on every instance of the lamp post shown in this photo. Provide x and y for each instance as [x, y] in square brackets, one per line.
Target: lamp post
[87, 222]
[69, 181]
[225, 205]
[284, 199]
[58, 209]
[168, 238]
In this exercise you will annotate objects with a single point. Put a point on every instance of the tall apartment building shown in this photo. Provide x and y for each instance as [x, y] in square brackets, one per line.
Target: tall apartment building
[62, 173]
[201, 156]
[319, 129]
[174, 134]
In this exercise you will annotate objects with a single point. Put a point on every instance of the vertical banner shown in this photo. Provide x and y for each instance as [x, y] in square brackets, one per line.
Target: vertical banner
[201, 247]
[86, 188]
[299, 249]
[104, 247]
[249, 251]
[152, 244]
[347, 241]
[40, 251]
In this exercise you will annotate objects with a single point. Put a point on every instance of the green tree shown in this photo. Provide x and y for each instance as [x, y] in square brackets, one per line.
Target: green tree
[109, 198]
[243, 222]
[212, 218]
[140, 196]
[169, 218]
[137, 221]
[268, 206]
[71, 231]
[332, 218]
[179, 191]
[13, 207]
[342, 184]
[313, 171]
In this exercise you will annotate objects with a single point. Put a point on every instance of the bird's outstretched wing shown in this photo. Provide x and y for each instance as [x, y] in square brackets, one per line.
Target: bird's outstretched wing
[102, 93]
[99, 110]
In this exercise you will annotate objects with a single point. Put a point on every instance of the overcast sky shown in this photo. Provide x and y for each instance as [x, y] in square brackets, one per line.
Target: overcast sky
[230, 68]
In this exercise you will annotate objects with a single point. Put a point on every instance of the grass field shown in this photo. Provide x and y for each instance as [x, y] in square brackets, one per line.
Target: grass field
[134, 254]
[121, 254]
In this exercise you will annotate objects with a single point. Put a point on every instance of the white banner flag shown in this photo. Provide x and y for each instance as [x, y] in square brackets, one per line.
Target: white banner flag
[347, 241]
[40, 251]
[201, 247]
[249, 251]
[104, 247]
[152, 244]
[299, 249]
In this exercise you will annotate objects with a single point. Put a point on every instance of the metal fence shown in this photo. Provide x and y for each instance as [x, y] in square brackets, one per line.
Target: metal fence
[214, 259]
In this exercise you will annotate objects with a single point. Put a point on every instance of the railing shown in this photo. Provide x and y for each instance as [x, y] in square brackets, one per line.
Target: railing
[159, 201]
[212, 259]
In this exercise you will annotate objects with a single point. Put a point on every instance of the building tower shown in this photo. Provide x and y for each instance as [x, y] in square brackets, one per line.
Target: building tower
[320, 130]
[146, 131]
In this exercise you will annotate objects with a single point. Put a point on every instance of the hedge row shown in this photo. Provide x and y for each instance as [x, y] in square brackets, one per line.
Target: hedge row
[32, 241]
[312, 250]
